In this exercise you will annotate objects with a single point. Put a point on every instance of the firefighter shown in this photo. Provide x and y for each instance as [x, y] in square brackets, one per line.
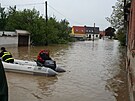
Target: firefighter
[3, 84]
[6, 56]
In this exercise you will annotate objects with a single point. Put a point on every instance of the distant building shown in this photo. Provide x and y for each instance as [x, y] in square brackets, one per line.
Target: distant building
[18, 38]
[85, 32]
[102, 34]
[92, 32]
[78, 32]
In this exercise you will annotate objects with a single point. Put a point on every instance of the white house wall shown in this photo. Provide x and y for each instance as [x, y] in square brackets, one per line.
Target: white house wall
[8, 33]
[6, 40]
[11, 37]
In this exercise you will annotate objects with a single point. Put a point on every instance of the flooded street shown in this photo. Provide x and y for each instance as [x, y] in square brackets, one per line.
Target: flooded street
[95, 72]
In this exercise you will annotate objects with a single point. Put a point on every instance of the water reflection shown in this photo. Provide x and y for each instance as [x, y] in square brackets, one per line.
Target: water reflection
[118, 84]
[94, 73]
[45, 83]
[25, 86]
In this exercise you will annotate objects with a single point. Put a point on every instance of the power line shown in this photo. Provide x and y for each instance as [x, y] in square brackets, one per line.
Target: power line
[62, 14]
[43, 4]
[23, 4]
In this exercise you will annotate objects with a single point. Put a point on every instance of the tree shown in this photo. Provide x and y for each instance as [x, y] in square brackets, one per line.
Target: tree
[3, 18]
[63, 30]
[117, 19]
[42, 32]
[11, 19]
[121, 37]
[110, 32]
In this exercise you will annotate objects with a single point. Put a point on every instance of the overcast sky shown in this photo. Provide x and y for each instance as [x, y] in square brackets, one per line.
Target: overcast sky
[77, 12]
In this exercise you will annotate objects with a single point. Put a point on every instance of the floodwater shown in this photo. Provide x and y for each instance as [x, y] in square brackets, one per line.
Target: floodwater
[95, 71]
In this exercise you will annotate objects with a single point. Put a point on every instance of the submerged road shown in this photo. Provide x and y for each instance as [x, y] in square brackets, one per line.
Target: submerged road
[95, 72]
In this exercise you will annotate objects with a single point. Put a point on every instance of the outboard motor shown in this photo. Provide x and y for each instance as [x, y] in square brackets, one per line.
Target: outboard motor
[52, 64]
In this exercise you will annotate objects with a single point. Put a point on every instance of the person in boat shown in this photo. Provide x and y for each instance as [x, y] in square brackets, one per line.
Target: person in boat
[6, 56]
[42, 59]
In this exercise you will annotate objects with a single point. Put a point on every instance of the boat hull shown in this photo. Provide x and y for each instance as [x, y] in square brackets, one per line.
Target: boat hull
[34, 63]
[28, 69]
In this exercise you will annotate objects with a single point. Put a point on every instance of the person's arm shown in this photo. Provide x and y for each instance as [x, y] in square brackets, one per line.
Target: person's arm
[0, 54]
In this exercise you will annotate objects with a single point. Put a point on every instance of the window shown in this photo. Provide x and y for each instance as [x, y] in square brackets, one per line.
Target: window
[76, 30]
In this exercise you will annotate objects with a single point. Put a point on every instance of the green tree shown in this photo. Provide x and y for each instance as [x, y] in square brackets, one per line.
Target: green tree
[117, 20]
[110, 32]
[3, 18]
[42, 32]
[12, 19]
[117, 17]
[121, 37]
[63, 31]
[27, 20]
[52, 30]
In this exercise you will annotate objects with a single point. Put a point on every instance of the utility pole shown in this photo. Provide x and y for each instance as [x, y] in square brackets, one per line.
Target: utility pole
[46, 19]
[0, 10]
[93, 32]
[46, 11]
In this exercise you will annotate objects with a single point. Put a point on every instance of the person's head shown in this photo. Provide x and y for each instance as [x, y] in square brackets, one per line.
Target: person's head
[46, 52]
[3, 48]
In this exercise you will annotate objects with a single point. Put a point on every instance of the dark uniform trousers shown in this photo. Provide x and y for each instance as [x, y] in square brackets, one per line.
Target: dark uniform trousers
[3, 84]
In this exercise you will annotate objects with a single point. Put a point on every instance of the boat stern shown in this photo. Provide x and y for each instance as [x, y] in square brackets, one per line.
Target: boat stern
[60, 70]
[44, 71]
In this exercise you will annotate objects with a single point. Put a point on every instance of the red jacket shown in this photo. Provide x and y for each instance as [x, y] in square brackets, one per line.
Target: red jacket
[43, 55]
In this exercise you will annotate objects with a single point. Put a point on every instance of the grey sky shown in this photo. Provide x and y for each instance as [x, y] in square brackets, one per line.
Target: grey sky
[77, 12]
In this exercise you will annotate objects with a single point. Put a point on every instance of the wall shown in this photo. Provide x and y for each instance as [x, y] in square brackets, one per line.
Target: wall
[9, 38]
[4, 40]
[130, 63]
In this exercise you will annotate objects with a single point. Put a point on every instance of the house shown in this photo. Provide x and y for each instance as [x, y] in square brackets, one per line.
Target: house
[85, 32]
[129, 16]
[17, 37]
[92, 32]
[102, 34]
[78, 31]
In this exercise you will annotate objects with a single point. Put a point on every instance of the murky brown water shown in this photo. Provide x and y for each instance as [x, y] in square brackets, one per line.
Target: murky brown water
[95, 72]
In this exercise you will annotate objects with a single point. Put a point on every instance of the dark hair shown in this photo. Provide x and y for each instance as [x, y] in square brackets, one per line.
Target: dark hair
[2, 48]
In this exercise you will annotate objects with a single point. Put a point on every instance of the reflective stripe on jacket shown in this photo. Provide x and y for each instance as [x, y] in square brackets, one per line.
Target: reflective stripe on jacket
[7, 56]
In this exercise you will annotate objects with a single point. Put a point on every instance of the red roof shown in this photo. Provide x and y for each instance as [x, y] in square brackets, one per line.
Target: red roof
[79, 29]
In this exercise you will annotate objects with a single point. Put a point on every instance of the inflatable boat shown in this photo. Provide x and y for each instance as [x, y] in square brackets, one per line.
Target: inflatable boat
[28, 67]
[49, 64]
[33, 67]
